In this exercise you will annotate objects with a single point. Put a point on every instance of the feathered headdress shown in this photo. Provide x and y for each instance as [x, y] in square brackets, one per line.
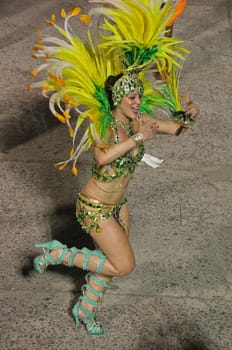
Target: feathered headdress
[76, 75]
[135, 31]
[167, 92]
[165, 96]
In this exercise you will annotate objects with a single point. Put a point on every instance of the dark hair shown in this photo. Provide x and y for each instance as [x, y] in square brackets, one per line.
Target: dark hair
[109, 83]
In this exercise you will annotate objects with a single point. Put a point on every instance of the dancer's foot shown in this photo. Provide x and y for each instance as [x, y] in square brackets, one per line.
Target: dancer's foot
[85, 309]
[54, 254]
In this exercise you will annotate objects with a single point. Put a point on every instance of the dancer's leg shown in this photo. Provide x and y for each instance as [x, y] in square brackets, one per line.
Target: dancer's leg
[111, 240]
[97, 284]
[125, 224]
[115, 258]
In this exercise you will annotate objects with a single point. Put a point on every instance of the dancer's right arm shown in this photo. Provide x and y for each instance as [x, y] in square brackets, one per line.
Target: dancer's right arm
[106, 154]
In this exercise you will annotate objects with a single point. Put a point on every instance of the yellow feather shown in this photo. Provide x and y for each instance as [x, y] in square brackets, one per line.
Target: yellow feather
[75, 11]
[63, 13]
[74, 171]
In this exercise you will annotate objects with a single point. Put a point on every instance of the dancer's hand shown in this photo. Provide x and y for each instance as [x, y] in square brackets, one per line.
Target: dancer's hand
[148, 128]
[191, 109]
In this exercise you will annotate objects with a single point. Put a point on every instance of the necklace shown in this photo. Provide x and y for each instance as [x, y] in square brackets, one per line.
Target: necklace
[127, 127]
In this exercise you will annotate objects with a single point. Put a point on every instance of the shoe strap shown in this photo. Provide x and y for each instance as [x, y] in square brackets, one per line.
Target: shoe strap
[97, 293]
[92, 326]
[85, 251]
[89, 314]
[48, 259]
[62, 255]
[87, 255]
[101, 263]
[73, 251]
[86, 262]
[89, 301]
[98, 280]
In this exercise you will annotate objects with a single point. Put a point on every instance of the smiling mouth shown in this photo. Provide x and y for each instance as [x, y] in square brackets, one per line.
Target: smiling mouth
[135, 109]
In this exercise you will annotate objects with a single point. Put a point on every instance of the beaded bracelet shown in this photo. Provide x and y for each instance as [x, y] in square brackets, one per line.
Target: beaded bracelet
[138, 139]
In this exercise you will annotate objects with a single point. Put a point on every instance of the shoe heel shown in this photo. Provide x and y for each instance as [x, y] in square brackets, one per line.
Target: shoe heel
[36, 264]
[90, 324]
[75, 314]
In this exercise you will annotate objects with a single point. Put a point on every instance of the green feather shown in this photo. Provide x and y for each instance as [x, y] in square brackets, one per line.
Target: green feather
[106, 116]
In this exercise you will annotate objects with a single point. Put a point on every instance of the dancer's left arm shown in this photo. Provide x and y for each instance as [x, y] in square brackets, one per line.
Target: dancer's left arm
[173, 127]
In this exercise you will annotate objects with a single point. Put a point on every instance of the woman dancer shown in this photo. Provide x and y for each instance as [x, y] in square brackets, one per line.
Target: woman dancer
[117, 131]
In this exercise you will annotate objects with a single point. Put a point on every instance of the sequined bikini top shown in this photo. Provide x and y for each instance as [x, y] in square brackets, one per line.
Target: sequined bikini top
[125, 164]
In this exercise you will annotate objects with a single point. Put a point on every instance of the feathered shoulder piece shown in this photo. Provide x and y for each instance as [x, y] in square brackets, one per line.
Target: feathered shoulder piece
[135, 31]
[74, 83]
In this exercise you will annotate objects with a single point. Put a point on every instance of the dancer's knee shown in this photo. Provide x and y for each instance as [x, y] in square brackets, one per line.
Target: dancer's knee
[124, 268]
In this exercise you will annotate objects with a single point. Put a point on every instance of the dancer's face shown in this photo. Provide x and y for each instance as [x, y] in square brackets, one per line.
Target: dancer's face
[129, 104]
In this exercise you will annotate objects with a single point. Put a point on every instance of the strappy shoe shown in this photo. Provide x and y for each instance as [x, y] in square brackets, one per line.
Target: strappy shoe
[89, 320]
[92, 326]
[43, 261]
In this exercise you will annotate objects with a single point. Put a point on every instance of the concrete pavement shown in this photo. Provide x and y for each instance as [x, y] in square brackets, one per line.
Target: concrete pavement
[180, 295]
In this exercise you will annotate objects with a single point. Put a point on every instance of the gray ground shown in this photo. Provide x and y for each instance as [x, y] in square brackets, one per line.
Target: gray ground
[180, 295]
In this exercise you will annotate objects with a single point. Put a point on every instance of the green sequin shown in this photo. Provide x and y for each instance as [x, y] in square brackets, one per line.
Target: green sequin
[125, 164]
[125, 86]
[100, 212]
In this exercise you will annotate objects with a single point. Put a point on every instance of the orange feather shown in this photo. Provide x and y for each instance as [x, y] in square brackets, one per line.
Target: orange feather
[180, 6]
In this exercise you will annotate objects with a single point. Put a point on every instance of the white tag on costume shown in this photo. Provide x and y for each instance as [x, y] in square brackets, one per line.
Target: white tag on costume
[151, 160]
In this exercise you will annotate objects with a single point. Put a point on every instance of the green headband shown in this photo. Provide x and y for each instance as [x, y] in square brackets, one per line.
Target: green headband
[125, 86]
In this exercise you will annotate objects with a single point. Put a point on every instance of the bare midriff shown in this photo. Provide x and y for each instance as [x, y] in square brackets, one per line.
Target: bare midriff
[107, 192]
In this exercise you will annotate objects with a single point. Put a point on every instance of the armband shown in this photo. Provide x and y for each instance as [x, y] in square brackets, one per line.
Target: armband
[138, 139]
[187, 120]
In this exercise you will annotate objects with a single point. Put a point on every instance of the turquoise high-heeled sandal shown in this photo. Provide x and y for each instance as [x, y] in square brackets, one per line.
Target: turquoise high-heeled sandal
[43, 261]
[92, 326]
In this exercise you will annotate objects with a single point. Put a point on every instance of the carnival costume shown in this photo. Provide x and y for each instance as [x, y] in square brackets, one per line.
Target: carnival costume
[75, 86]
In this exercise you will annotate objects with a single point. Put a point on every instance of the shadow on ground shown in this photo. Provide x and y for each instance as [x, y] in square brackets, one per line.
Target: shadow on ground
[32, 119]
[173, 343]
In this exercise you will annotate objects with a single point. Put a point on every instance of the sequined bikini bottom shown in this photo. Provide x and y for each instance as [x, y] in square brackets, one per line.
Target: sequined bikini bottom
[95, 211]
